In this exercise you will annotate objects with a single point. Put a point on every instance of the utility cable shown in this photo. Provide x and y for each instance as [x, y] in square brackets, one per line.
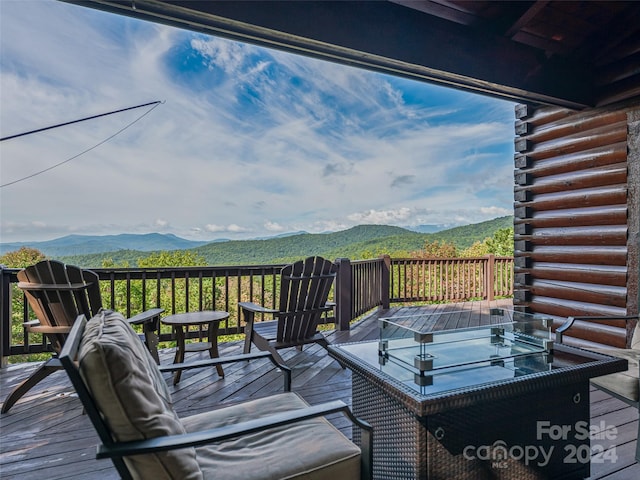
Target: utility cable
[155, 104]
[77, 121]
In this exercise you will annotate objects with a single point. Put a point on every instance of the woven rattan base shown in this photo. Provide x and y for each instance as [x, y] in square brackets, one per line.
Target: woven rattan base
[499, 438]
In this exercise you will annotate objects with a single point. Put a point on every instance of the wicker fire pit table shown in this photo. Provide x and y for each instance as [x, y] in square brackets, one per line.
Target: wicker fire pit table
[497, 401]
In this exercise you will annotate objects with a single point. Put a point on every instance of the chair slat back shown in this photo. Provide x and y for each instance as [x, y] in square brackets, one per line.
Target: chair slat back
[58, 293]
[304, 290]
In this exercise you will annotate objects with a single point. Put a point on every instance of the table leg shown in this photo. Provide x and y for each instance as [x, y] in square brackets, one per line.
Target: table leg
[213, 340]
[180, 348]
[151, 339]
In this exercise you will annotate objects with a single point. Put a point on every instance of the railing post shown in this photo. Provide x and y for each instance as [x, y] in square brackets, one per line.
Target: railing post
[490, 280]
[385, 286]
[343, 294]
[5, 316]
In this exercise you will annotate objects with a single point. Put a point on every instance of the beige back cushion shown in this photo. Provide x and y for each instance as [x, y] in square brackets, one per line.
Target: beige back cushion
[635, 339]
[132, 395]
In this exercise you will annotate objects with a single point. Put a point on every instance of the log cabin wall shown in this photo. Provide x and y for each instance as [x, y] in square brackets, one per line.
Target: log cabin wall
[575, 216]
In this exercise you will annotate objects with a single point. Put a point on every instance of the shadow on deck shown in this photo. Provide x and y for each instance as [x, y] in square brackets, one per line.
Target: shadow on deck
[46, 435]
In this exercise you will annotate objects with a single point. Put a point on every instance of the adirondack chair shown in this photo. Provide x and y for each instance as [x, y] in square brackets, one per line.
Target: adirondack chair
[127, 400]
[58, 293]
[304, 290]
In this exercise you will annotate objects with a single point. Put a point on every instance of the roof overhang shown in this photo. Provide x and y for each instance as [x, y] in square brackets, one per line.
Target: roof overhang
[386, 37]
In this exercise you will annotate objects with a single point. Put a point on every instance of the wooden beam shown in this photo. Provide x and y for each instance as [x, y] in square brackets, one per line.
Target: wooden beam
[526, 17]
[381, 36]
[439, 10]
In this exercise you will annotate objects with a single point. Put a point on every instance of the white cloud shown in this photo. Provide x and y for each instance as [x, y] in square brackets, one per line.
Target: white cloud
[231, 228]
[248, 142]
[215, 228]
[237, 228]
[273, 227]
[496, 211]
[381, 217]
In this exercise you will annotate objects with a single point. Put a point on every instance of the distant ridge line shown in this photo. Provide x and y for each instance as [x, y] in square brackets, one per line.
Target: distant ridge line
[90, 251]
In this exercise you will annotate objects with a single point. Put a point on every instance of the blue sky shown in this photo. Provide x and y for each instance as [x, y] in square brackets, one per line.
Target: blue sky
[249, 142]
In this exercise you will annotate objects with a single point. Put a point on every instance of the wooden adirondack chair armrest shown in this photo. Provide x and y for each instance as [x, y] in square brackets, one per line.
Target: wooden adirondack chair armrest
[255, 308]
[204, 437]
[64, 287]
[562, 329]
[286, 371]
[34, 326]
[145, 316]
[328, 307]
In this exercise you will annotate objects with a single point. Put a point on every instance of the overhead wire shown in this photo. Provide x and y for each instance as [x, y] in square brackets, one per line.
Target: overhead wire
[76, 121]
[155, 104]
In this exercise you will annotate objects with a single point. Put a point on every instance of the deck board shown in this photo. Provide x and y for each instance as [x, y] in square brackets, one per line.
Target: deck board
[45, 435]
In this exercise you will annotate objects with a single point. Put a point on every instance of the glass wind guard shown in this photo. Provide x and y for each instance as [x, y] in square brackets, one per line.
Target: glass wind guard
[513, 341]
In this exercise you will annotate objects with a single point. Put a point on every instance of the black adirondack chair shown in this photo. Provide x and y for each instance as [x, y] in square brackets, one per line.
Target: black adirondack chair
[57, 294]
[304, 291]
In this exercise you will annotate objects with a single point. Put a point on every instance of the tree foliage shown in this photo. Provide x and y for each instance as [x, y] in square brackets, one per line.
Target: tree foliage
[465, 236]
[177, 258]
[142, 300]
[500, 245]
[436, 249]
[21, 258]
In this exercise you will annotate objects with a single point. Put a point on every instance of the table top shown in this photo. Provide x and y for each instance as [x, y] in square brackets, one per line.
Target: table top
[195, 318]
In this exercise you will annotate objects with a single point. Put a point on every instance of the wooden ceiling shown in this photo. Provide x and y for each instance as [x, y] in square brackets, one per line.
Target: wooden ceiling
[584, 30]
[552, 52]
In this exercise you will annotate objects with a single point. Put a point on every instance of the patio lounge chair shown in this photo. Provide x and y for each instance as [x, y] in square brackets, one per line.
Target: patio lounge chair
[625, 385]
[58, 293]
[127, 400]
[304, 290]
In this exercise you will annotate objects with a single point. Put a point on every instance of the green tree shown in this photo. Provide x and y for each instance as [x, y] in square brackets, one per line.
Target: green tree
[21, 258]
[134, 289]
[200, 293]
[500, 244]
[436, 249]
[178, 258]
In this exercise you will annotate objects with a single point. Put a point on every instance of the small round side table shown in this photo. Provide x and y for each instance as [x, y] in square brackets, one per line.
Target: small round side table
[181, 322]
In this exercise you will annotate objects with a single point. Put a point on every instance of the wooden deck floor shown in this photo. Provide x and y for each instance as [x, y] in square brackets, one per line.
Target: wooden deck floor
[45, 435]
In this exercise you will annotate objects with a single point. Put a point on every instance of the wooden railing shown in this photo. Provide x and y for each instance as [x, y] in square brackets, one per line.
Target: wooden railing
[177, 290]
[360, 286]
[450, 279]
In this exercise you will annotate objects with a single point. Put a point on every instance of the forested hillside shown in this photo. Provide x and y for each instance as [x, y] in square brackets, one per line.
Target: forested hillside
[465, 236]
[364, 241]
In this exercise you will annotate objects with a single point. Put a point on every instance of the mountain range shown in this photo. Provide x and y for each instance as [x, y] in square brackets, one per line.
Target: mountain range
[363, 241]
[87, 244]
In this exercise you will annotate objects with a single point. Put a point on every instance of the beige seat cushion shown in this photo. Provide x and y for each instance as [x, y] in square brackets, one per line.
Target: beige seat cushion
[625, 383]
[132, 395]
[310, 450]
